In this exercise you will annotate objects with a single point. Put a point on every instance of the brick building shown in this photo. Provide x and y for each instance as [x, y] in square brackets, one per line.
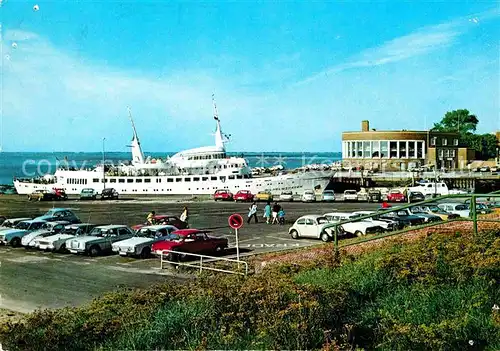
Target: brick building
[403, 149]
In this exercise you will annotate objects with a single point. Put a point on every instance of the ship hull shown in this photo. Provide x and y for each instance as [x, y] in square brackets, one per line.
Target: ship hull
[179, 185]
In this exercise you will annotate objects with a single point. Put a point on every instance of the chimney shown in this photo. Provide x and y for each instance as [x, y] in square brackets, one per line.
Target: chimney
[365, 126]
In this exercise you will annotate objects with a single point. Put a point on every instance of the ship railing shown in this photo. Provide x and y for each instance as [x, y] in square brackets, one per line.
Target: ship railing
[202, 262]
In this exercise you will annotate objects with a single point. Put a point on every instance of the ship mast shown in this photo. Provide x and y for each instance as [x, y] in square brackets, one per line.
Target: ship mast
[137, 155]
[220, 139]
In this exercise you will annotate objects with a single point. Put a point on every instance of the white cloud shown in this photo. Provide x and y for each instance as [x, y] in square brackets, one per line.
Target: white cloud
[418, 43]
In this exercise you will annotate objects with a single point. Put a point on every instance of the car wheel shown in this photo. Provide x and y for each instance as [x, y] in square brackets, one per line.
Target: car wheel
[15, 242]
[40, 199]
[94, 251]
[358, 233]
[62, 248]
[145, 252]
[173, 257]
[294, 234]
[29, 198]
[219, 249]
[325, 237]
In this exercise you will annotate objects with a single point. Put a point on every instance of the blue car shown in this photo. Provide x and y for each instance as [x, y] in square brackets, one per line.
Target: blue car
[60, 214]
[14, 235]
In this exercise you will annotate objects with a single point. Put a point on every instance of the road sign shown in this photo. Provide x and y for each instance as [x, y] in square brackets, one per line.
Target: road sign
[235, 221]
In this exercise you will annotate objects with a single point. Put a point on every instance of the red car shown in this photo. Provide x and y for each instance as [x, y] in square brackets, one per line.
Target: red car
[243, 195]
[223, 194]
[189, 241]
[396, 196]
[164, 219]
[60, 194]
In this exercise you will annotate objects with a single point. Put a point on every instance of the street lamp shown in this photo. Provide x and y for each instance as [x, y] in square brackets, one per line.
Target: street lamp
[103, 168]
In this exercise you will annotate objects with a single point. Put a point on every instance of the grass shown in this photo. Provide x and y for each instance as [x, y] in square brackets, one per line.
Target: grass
[434, 294]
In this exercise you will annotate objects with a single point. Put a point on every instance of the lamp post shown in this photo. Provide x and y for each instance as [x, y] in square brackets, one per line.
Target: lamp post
[103, 168]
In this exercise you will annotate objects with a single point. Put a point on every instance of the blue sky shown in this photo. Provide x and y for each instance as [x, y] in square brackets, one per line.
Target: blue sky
[287, 76]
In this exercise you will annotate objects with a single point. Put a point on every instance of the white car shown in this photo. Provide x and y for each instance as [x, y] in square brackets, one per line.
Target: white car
[57, 242]
[311, 226]
[358, 228]
[10, 223]
[140, 243]
[463, 210]
[350, 195]
[308, 196]
[328, 195]
[286, 196]
[387, 224]
[49, 228]
[429, 189]
[100, 240]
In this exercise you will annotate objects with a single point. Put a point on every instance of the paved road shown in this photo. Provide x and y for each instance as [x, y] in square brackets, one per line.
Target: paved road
[33, 279]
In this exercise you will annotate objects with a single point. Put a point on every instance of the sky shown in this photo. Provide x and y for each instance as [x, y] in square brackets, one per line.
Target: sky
[287, 75]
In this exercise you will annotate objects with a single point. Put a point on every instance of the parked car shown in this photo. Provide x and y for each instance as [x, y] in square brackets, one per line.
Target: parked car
[483, 208]
[328, 196]
[223, 194]
[165, 219]
[2, 219]
[415, 196]
[88, 194]
[189, 241]
[430, 189]
[350, 195]
[140, 243]
[286, 195]
[57, 242]
[358, 228]
[243, 195]
[435, 210]
[13, 236]
[395, 196]
[362, 195]
[403, 217]
[59, 214]
[100, 240]
[42, 195]
[12, 222]
[60, 194]
[415, 211]
[374, 195]
[109, 193]
[387, 224]
[311, 226]
[48, 228]
[264, 195]
[463, 210]
[308, 196]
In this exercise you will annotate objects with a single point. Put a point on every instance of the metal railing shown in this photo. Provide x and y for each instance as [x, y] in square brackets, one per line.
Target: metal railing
[473, 212]
[199, 263]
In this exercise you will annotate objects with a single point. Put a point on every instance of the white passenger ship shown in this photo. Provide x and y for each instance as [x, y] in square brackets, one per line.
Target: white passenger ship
[196, 171]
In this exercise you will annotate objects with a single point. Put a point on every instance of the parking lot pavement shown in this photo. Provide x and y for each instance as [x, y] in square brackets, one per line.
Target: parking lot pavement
[33, 279]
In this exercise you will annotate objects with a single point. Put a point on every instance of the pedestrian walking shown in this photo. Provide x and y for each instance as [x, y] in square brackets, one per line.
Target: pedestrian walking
[252, 213]
[185, 215]
[151, 218]
[276, 209]
[281, 217]
[267, 212]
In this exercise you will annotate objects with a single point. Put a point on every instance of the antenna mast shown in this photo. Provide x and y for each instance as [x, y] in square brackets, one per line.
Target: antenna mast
[216, 114]
[133, 125]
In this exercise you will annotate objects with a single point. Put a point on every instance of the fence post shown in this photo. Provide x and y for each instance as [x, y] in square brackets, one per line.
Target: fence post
[474, 213]
[201, 264]
[336, 240]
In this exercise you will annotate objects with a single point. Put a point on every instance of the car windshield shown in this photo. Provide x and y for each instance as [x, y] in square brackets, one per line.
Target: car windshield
[46, 226]
[50, 212]
[22, 225]
[350, 192]
[461, 207]
[287, 193]
[328, 192]
[146, 233]
[173, 236]
[417, 210]
[97, 232]
[322, 220]
[70, 230]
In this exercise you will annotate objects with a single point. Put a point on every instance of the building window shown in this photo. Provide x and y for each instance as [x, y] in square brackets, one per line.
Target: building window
[411, 149]
[393, 149]
[95, 180]
[440, 153]
[177, 180]
[112, 180]
[402, 149]
[375, 149]
[366, 149]
[445, 142]
[455, 142]
[420, 149]
[446, 153]
[383, 149]
[433, 141]
[147, 180]
[138, 180]
[130, 180]
[359, 149]
[121, 180]
[452, 153]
